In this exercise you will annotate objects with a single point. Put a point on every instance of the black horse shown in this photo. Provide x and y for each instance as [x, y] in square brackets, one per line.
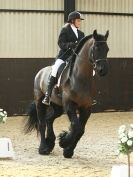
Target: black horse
[75, 98]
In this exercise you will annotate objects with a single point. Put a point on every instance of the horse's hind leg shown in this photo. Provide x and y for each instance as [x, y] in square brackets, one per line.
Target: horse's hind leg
[41, 111]
[56, 112]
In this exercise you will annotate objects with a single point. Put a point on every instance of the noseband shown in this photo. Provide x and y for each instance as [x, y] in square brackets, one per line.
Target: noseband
[91, 55]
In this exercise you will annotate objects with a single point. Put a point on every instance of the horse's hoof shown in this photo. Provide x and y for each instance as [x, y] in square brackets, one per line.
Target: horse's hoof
[63, 140]
[63, 143]
[50, 144]
[68, 153]
[45, 151]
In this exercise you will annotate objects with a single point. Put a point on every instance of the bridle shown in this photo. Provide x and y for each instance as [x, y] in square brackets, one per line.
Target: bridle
[91, 55]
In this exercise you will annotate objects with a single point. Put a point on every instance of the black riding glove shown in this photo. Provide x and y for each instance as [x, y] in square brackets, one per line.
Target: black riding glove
[73, 45]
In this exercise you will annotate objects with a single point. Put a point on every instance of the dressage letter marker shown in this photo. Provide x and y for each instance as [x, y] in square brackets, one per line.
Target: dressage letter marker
[6, 149]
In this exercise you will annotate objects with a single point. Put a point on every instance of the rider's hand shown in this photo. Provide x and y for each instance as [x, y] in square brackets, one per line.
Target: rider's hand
[72, 45]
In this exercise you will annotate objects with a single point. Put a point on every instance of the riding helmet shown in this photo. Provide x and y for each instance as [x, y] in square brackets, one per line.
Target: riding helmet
[74, 15]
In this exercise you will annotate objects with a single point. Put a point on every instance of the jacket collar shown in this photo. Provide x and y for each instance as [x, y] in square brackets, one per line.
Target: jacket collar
[70, 28]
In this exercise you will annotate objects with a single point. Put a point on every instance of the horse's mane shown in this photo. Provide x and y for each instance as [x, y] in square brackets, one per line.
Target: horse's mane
[77, 50]
[82, 42]
[80, 45]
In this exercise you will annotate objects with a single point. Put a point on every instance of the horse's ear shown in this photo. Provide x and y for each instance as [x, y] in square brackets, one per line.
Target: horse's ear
[107, 34]
[95, 34]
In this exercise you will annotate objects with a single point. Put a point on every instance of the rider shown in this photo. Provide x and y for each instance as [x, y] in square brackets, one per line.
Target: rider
[68, 40]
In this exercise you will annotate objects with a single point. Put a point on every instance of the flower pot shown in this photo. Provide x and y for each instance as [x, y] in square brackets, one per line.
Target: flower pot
[121, 171]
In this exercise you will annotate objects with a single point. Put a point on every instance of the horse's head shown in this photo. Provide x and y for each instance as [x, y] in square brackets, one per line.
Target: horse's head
[98, 53]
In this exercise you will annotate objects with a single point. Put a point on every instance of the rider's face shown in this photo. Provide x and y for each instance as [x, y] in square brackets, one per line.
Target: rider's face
[77, 23]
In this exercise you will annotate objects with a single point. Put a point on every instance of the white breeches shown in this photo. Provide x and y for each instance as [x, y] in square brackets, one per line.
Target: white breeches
[56, 66]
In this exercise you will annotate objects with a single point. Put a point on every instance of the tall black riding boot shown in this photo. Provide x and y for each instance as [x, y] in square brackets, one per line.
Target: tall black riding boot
[51, 83]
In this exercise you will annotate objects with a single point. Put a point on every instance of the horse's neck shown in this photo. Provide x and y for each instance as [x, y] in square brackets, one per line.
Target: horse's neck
[81, 78]
[83, 67]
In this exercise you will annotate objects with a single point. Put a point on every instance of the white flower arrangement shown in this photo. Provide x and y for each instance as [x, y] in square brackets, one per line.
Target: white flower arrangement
[3, 116]
[126, 139]
[126, 142]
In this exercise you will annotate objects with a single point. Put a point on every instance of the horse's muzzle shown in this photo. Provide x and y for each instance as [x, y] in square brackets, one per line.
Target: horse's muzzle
[102, 67]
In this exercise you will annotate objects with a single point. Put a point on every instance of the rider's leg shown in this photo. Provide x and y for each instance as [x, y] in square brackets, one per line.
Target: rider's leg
[52, 81]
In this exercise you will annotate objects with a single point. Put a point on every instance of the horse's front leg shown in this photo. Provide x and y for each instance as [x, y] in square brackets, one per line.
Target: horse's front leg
[84, 114]
[43, 148]
[67, 138]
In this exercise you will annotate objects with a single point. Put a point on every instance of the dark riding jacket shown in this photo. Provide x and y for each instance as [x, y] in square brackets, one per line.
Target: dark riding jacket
[67, 41]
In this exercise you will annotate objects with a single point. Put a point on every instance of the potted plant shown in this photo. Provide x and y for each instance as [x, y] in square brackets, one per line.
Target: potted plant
[126, 143]
[3, 116]
[125, 147]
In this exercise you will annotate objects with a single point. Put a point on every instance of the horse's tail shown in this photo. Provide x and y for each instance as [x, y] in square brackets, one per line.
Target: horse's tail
[32, 123]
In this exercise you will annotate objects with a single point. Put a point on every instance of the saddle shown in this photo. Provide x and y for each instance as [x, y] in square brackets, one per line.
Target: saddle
[69, 62]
